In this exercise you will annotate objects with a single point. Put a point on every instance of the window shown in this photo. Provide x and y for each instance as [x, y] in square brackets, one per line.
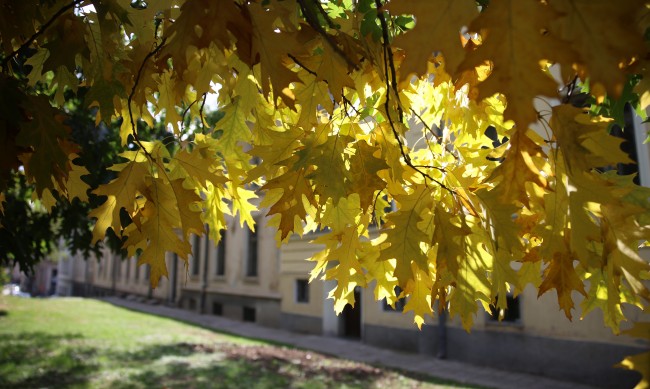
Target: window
[221, 254]
[249, 314]
[137, 271]
[629, 144]
[128, 270]
[251, 260]
[196, 250]
[302, 291]
[510, 315]
[399, 304]
[217, 309]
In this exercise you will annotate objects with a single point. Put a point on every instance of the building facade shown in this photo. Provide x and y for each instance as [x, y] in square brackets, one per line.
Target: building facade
[247, 277]
[215, 279]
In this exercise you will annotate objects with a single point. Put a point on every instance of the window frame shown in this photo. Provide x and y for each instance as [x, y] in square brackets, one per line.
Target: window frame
[301, 291]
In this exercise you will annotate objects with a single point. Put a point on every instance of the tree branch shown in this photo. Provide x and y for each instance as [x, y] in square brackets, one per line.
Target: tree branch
[308, 70]
[391, 85]
[39, 32]
[312, 20]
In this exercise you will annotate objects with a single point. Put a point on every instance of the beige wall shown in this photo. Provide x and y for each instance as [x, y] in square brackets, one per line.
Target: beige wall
[294, 266]
[538, 316]
[235, 279]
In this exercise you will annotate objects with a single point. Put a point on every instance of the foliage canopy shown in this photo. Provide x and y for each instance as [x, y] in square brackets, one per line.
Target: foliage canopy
[476, 135]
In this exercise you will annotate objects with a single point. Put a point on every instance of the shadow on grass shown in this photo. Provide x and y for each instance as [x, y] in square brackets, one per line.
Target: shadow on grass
[38, 359]
[183, 365]
[151, 353]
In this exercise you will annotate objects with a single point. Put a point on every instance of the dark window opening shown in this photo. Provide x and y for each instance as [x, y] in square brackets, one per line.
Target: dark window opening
[511, 314]
[251, 262]
[195, 256]
[217, 309]
[249, 314]
[399, 304]
[302, 291]
[629, 144]
[221, 254]
[351, 317]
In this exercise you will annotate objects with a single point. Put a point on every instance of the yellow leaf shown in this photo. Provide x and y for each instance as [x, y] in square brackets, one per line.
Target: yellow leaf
[364, 166]
[187, 202]
[438, 24]
[419, 291]
[241, 204]
[404, 236]
[272, 45]
[602, 53]
[215, 209]
[342, 214]
[525, 162]
[584, 140]
[169, 96]
[381, 271]
[75, 186]
[199, 164]
[515, 43]
[122, 192]
[640, 363]
[234, 127]
[561, 276]
[502, 219]
[345, 248]
[294, 187]
[328, 156]
[313, 97]
[330, 67]
[471, 283]
[163, 212]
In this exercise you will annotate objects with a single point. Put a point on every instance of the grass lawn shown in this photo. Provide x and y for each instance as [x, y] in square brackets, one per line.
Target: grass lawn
[77, 343]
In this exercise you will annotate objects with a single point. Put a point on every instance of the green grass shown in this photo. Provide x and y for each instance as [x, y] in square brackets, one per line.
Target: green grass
[79, 343]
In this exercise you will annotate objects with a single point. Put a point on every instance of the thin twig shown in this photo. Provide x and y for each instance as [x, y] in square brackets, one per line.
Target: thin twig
[185, 113]
[374, 218]
[135, 85]
[205, 96]
[442, 169]
[391, 85]
[308, 70]
[439, 139]
[327, 18]
[40, 31]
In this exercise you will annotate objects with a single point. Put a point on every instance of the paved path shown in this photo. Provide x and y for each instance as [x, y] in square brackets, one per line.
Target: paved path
[356, 351]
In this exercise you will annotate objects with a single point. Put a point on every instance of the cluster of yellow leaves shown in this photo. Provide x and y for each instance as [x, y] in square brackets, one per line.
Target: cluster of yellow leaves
[382, 143]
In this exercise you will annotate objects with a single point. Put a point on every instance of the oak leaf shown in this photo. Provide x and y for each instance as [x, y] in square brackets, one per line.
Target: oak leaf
[438, 25]
[515, 43]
